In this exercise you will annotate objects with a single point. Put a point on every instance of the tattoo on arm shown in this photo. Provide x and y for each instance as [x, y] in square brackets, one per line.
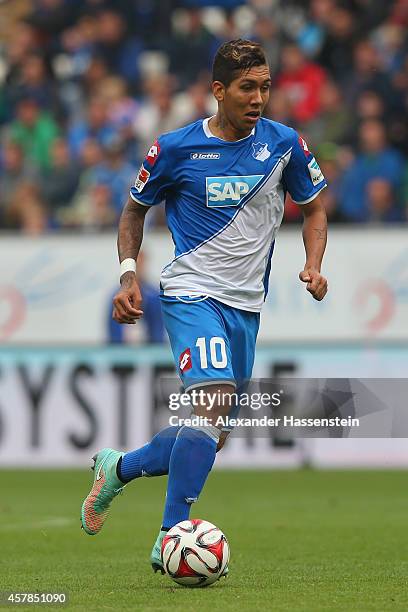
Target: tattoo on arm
[320, 233]
[130, 232]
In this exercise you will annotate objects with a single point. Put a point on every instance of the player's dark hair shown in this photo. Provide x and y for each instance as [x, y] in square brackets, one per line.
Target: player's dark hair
[235, 57]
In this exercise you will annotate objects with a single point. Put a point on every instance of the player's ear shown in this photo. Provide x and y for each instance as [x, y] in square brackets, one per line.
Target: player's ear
[218, 90]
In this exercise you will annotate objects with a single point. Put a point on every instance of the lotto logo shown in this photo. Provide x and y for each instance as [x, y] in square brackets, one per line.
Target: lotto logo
[204, 156]
[153, 153]
[185, 361]
[141, 179]
[229, 190]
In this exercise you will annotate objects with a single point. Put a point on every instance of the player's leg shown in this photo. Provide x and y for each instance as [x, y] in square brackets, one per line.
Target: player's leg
[114, 469]
[119, 468]
[201, 350]
[191, 461]
[242, 329]
[153, 458]
[193, 455]
[194, 450]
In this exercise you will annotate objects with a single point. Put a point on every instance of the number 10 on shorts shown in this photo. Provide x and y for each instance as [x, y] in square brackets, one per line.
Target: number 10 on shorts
[217, 355]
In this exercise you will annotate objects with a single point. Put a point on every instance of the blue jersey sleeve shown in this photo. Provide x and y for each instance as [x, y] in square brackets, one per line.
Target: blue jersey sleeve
[302, 175]
[153, 180]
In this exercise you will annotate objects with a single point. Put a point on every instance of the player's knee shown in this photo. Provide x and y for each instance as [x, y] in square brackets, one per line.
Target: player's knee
[216, 401]
[222, 440]
[211, 431]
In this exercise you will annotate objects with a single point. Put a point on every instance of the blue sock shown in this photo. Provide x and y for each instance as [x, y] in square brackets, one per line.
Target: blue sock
[150, 460]
[191, 460]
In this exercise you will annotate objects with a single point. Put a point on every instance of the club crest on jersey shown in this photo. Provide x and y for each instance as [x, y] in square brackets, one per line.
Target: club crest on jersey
[229, 190]
[260, 151]
[153, 153]
[141, 178]
[185, 360]
[205, 156]
[315, 173]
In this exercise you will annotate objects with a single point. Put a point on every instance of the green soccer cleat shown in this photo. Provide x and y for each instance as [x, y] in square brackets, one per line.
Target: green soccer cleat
[155, 557]
[106, 486]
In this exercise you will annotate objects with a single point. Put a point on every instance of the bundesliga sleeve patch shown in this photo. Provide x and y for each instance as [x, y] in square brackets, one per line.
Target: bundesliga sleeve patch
[153, 153]
[141, 179]
[315, 173]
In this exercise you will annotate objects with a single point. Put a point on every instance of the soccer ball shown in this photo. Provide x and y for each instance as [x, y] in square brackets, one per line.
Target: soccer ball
[195, 553]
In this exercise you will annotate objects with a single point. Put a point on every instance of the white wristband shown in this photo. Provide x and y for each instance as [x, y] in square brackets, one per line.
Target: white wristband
[127, 265]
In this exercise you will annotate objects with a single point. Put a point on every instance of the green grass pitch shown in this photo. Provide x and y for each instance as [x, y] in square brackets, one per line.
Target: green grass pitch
[302, 540]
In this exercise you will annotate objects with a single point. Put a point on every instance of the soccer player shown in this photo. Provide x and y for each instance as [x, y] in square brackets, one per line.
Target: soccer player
[224, 181]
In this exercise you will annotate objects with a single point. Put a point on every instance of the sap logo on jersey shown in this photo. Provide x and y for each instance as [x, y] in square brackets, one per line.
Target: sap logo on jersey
[229, 190]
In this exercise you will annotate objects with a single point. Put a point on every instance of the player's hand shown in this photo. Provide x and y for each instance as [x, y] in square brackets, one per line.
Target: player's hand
[316, 283]
[128, 300]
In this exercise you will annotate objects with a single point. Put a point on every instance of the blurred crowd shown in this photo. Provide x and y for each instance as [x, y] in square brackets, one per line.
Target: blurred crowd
[86, 86]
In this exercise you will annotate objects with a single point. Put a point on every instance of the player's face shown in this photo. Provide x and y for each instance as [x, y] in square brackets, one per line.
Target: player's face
[246, 97]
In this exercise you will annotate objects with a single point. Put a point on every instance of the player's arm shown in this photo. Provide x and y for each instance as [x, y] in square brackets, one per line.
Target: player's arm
[149, 189]
[314, 239]
[304, 180]
[128, 300]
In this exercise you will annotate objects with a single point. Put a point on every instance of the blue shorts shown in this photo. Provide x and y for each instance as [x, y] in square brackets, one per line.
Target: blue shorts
[211, 342]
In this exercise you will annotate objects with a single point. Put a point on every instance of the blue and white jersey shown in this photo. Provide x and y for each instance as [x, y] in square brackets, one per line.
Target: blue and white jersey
[224, 205]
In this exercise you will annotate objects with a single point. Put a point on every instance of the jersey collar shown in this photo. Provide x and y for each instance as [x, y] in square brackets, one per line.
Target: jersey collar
[209, 133]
